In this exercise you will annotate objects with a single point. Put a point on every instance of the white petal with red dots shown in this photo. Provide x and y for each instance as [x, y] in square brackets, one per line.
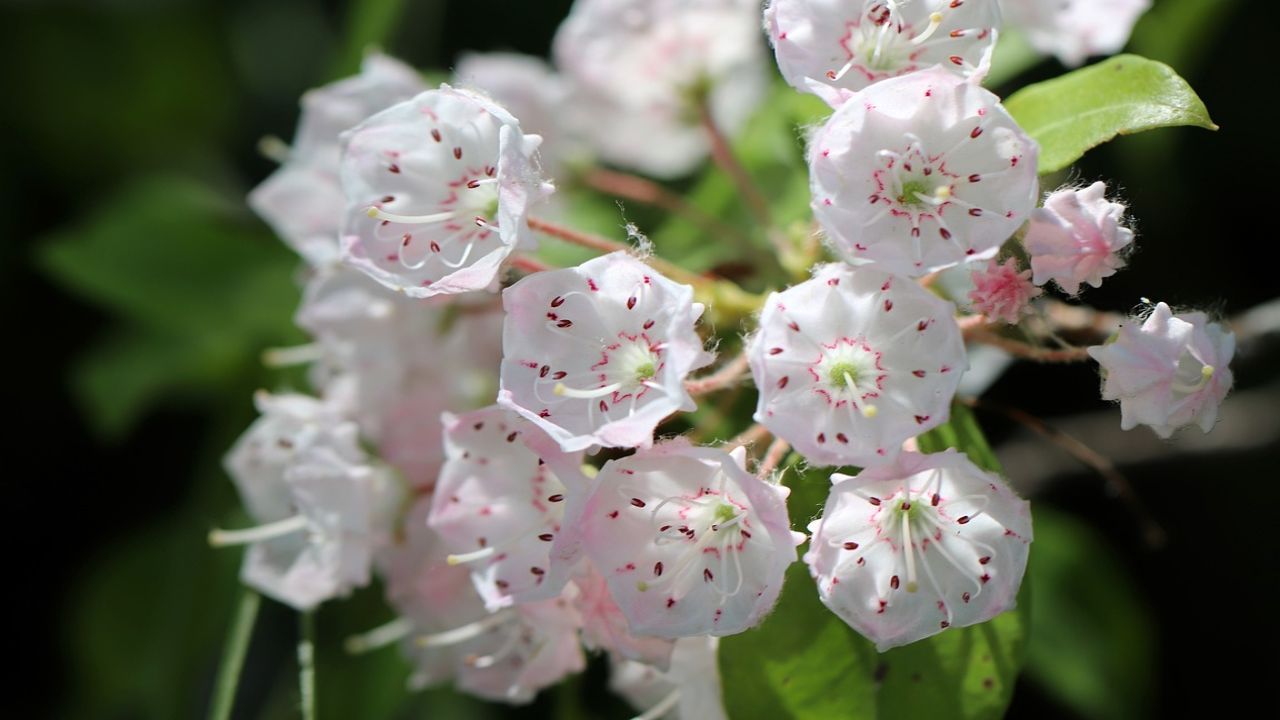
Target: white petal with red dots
[500, 504]
[904, 551]
[1075, 30]
[438, 189]
[598, 354]
[921, 172]
[688, 541]
[853, 362]
[834, 48]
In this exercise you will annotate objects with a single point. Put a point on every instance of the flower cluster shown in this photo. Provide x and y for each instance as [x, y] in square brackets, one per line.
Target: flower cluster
[506, 464]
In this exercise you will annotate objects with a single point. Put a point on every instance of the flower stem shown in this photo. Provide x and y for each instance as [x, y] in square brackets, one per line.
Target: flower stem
[643, 190]
[727, 376]
[1152, 532]
[778, 450]
[529, 264]
[753, 434]
[595, 242]
[722, 154]
[233, 654]
[1021, 349]
[307, 663]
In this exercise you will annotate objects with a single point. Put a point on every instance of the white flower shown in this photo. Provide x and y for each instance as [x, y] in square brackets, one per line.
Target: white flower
[1076, 238]
[637, 70]
[905, 551]
[1074, 30]
[853, 362]
[598, 354]
[500, 503]
[921, 172]
[690, 690]
[530, 90]
[1168, 370]
[438, 189]
[688, 541]
[302, 200]
[395, 363]
[508, 655]
[323, 510]
[834, 48]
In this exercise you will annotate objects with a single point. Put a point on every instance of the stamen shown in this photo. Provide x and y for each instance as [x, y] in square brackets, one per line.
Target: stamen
[274, 149]
[870, 411]
[379, 637]
[836, 75]
[662, 708]
[466, 632]
[269, 531]
[1206, 374]
[934, 21]
[380, 214]
[291, 356]
[565, 391]
[910, 552]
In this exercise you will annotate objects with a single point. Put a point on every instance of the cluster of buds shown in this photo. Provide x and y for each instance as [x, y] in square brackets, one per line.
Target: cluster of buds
[520, 543]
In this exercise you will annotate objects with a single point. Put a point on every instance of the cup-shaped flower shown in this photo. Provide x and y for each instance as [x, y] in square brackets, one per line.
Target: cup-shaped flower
[1077, 238]
[302, 200]
[1167, 370]
[688, 541]
[1076, 30]
[921, 172]
[690, 690]
[640, 72]
[437, 192]
[1002, 292]
[905, 551]
[853, 362]
[323, 510]
[598, 354]
[834, 48]
[500, 503]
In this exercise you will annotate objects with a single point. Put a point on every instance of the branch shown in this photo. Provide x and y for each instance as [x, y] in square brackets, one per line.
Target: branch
[727, 376]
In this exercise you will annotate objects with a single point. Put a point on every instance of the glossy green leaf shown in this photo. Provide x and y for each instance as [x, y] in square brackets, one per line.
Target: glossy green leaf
[1092, 638]
[804, 662]
[1123, 95]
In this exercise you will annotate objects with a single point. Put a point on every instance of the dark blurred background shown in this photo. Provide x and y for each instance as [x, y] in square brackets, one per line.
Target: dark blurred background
[129, 140]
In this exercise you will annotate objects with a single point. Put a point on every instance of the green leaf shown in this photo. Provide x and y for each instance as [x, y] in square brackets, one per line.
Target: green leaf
[1092, 639]
[1126, 94]
[199, 285]
[804, 662]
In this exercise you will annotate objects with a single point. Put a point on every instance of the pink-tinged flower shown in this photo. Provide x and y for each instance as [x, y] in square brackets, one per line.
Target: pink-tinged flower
[1074, 30]
[690, 690]
[833, 48]
[1076, 238]
[638, 69]
[500, 504]
[604, 626]
[905, 551]
[688, 541]
[438, 189]
[323, 510]
[1168, 370]
[302, 200]
[445, 629]
[598, 354]
[530, 90]
[1001, 292]
[853, 362]
[920, 172]
[395, 363]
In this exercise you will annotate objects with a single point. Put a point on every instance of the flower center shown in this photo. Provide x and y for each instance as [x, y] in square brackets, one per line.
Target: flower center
[711, 529]
[850, 372]
[1190, 377]
[882, 43]
[914, 193]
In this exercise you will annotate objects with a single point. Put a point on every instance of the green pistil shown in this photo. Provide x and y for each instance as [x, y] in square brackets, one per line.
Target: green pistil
[725, 512]
[841, 373]
[910, 191]
[645, 371]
